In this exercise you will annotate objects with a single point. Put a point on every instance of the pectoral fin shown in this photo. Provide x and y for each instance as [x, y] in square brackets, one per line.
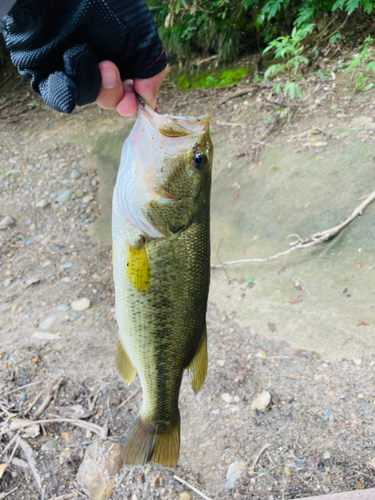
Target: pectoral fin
[197, 369]
[124, 366]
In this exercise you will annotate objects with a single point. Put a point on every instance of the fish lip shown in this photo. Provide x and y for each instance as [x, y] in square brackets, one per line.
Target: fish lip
[204, 119]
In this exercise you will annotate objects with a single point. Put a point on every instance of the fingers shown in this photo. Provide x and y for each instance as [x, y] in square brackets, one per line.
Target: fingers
[128, 105]
[111, 91]
[148, 88]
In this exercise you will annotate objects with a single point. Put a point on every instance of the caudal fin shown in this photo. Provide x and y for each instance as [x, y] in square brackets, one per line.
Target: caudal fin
[149, 442]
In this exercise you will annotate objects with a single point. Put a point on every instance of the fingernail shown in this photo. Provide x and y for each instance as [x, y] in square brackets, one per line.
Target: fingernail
[109, 79]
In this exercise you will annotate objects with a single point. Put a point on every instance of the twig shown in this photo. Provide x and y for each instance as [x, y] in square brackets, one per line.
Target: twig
[6, 80]
[312, 240]
[336, 31]
[48, 398]
[33, 402]
[192, 488]
[64, 497]
[238, 93]
[21, 387]
[129, 398]
[263, 449]
[14, 451]
[101, 431]
[10, 443]
[29, 455]
[6, 494]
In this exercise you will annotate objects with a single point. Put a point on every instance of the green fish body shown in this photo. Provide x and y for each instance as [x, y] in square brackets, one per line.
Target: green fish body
[161, 249]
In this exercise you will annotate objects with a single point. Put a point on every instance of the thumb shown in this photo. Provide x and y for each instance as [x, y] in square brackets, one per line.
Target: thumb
[148, 87]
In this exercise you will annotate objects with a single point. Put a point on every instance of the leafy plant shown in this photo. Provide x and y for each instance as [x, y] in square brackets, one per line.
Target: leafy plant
[359, 60]
[289, 49]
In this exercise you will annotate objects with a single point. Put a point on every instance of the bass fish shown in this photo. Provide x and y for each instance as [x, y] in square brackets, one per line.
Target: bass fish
[161, 254]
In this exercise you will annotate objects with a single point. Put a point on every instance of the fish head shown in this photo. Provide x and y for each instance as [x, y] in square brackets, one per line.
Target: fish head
[172, 172]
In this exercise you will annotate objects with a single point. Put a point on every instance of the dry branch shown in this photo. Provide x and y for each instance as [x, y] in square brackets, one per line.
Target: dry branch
[55, 387]
[310, 241]
[192, 488]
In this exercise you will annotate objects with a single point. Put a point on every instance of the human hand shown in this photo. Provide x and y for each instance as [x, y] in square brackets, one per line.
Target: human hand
[59, 45]
[119, 95]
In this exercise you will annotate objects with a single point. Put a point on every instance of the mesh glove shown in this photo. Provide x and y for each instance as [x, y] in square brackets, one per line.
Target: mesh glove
[59, 45]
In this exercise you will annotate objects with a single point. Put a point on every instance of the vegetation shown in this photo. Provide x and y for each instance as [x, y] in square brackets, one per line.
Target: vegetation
[229, 27]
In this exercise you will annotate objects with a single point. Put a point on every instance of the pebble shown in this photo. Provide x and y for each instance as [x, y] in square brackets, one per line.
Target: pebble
[66, 279]
[6, 222]
[236, 399]
[221, 362]
[81, 304]
[327, 455]
[23, 396]
[261, 401]
[7, 282]
[46, 263]
[261, 354]
[49, 446]
[185, 495]
[227, 397]
[235, 471]
[75, 174]
[64, 196]
[47, 323]
[64, 307]
[43, 203]
[68, 265]
[32, 281]
[88, 198]
[79, 194]
[101, 463]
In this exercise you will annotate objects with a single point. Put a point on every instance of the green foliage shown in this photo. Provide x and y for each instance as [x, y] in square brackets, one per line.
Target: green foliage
[288, 49]
[359, 61]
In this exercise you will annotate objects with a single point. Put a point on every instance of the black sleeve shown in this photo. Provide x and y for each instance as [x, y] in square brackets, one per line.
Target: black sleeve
[58, 44]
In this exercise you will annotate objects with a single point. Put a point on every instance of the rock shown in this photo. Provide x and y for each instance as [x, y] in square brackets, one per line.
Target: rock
[64, 196]
[43, 203]
[32, 281]
[64, 307]
[30, 431]
[227, 397]
[7, 282]
[79, 194]
[236, 399]
[185, 495]
[261, 354]
[75, 174]
[80, 304]
[327, 455]
[66, 280]
[46, 263]
[6, 222]
[235, 471]
[49, 446]
[47, 323]
[221, 362]
[261, 401]
[88, 198]
[101, 463]
[68, 265]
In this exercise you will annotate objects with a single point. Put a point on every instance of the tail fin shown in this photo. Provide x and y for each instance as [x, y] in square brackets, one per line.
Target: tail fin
[146, 442]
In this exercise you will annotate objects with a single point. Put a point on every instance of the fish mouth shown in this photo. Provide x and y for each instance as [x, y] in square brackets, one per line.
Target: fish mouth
[178, 126]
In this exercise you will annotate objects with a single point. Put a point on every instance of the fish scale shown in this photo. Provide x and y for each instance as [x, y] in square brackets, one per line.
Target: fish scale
[162, 283]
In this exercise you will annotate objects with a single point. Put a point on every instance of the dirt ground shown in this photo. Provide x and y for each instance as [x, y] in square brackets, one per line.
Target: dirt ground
[318, 428]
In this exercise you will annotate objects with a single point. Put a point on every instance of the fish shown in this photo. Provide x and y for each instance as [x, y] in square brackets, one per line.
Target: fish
[161, 267]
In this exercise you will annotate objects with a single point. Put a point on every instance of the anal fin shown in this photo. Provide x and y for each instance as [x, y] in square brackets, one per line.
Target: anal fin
[124, 366]
[197, 369]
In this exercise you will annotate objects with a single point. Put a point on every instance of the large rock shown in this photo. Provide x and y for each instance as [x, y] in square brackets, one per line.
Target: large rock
[101, 463]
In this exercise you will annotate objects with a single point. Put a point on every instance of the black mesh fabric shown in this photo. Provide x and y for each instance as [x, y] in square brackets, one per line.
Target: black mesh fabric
[59, 44]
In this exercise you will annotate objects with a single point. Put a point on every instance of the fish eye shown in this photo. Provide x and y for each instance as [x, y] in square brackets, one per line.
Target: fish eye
[198, 160]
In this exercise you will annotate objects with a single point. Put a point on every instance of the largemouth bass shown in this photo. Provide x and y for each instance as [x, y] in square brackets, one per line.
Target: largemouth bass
[161, 249]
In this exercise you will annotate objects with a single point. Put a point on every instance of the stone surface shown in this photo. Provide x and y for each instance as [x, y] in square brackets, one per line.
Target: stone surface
[47, 323]
[261, 401]
[75, 174]
[6, 222]
[235, 471]
[81, 304]
[49, 446]
[32, 281]
[101, 463]
[88, 198]
[64, 196]
[43, 203]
